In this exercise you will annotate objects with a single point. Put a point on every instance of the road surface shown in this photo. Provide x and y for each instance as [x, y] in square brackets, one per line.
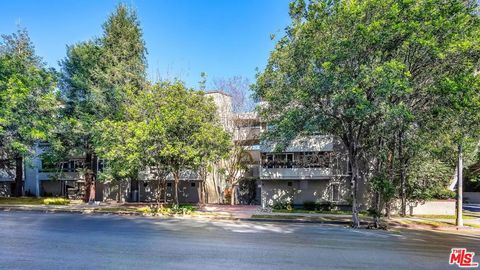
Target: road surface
[73, 241]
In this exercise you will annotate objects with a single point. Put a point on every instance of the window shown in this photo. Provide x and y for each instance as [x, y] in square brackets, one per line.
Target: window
[289, 184]
[335, 193]
[296, 160]
[65, 166]
[101, 165]
[192, 184]
[169, 184]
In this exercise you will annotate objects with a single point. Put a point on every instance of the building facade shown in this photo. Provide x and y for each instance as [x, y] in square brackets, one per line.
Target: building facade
[311, 169]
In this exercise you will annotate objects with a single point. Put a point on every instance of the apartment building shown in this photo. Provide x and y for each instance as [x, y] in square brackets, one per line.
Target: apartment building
[310, 169]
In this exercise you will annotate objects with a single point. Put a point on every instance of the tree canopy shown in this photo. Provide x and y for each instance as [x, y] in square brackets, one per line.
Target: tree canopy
[169, 128]
[367, 71]
[28, 100]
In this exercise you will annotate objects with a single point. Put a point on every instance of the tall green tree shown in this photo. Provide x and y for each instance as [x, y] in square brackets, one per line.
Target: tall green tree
[460, 113]
[28, 101]
[169, 130]
[193, 133]
[99, 79]
[345, 67]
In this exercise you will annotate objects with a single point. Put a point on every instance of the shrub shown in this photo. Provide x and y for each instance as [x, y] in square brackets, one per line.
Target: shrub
[55, 201]
[327, 206]
[283, 206]
[310, 205]
[182, 209]
[434, 193]
[443, 194]
[167, 210]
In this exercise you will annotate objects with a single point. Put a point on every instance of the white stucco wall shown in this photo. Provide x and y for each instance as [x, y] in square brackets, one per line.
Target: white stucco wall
[437, 207]
[301, 191]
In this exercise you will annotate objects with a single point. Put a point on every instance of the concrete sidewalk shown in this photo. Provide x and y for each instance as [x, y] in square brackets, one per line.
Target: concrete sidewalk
[249, 213]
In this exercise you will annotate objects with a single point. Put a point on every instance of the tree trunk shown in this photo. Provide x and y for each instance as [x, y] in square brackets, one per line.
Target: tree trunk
[459, 220]
[176, 178]
[388, 211]
[354, 187]
[120, 191]
[403, 192]
[202, 192]
[165, 191]
[232, 195]
[391, 173]
[90, 177]
[18, 176]
[376, 217]
[203, 182]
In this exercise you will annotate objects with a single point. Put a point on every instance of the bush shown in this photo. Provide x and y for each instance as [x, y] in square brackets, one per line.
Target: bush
[314, 206]
[55, 201]
[283, 206]
[443, 194]
[182, 209]
[167, 210]
[327, 206]
[310, 205]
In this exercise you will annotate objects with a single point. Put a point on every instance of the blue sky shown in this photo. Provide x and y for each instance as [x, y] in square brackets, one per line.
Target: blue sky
[184, 37]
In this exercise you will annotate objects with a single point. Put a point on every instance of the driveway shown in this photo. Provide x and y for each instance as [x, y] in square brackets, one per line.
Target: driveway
[72, 241]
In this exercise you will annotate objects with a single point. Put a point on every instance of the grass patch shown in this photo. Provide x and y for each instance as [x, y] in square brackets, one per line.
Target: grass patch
[33, 201]
[55, 201]
[442, 216]
[303, 211]
[425, 222]
[278, 216]
[114, 209]
[435, 223]
[22, 200]
[184, 209]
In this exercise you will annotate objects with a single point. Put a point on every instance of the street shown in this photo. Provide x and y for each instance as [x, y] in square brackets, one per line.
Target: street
[71, 241]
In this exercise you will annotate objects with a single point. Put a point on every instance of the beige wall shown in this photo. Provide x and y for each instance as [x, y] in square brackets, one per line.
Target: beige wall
[186, 194]
[437, 207]
[51, 188]
[303, 190]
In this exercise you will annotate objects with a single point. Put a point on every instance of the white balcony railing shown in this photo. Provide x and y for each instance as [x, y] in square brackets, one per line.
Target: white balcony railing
[295, 173]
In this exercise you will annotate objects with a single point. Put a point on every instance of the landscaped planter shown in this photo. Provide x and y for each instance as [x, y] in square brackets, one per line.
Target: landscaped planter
[436, 207]
[433, 207]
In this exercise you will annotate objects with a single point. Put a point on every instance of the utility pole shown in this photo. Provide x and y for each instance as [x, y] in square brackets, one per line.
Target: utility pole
[459, 221]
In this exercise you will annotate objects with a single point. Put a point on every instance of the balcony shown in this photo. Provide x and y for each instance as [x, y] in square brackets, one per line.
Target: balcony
[247, 133]
[295, 173]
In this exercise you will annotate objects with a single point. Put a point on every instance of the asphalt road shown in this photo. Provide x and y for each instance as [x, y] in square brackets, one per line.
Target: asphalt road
[72, 241]
[472, 207]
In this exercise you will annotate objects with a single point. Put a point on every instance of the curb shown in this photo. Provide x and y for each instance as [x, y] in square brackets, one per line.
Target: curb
[212, 217]
[67, 211]
[333, 222]
[230, 218]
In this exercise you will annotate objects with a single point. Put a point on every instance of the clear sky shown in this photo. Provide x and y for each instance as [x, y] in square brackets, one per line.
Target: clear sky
[184, 37]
